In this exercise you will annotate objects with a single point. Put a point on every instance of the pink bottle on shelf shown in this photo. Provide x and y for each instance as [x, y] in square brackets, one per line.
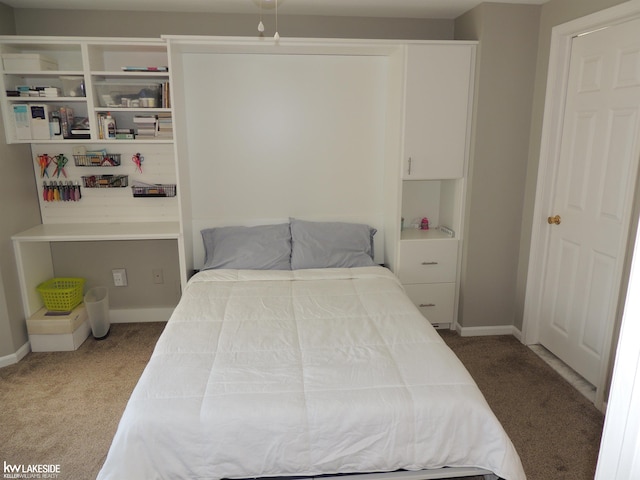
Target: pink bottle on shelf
[424, 224]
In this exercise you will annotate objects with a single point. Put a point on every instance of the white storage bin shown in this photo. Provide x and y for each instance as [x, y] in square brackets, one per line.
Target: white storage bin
[136, 95]
[72, 86]
[53, 332]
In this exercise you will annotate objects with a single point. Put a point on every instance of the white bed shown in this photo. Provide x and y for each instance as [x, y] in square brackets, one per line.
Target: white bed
[303, 372]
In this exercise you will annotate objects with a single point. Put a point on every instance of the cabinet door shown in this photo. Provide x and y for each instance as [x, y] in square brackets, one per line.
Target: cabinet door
[436, 111]
[435, 301]
[428, 261]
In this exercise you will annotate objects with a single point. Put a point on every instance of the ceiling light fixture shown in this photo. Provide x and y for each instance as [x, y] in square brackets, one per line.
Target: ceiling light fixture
[261, 25]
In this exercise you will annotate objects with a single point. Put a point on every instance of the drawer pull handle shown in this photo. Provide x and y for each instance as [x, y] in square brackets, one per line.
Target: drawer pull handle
[423, 305]
[429, 263]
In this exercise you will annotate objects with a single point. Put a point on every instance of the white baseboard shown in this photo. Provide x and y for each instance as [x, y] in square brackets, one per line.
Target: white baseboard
[485, 331]
[15, 357]
[140, 315]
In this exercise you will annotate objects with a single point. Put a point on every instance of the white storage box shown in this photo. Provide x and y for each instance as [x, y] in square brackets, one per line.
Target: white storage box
[136, 95]
[27, 62]
[55, 332]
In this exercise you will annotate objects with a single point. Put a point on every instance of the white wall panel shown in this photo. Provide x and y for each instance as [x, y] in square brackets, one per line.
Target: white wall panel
[278, 136]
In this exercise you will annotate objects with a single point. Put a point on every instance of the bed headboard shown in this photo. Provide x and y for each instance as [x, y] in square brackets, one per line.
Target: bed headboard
[276, 136]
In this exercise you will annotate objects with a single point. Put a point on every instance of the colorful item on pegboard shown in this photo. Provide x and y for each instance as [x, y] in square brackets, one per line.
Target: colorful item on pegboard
[44, 161]
[138, 159]
[60, 161]
[61, 191]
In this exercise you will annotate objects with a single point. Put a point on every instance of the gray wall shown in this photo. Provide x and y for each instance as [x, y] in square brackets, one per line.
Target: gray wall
[19, 211]
[513, 60]
[94, 261]
[512, 73]
[498, 165]
[146, 24]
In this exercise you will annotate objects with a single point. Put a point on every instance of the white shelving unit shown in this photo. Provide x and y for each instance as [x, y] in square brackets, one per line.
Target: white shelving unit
[89, 75]
[97, 65]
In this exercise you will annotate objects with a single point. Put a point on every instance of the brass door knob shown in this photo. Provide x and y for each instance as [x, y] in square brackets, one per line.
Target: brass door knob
[554, 220]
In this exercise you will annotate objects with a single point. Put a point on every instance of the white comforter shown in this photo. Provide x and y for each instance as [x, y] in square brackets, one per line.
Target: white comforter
[265, 373]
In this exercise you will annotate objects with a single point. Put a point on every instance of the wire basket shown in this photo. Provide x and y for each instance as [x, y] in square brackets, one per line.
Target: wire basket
[157, 190]
[61, 294]
[105, 181]
[106, 160]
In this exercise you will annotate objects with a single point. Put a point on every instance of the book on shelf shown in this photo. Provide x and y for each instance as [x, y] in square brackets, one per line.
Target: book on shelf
[144, 69]
[125, 134]
[80, 133]
[145, 119]
[165, 125]
[146, 125]
[165, 119]
[66, 120]
[165, 95]
[100, 119]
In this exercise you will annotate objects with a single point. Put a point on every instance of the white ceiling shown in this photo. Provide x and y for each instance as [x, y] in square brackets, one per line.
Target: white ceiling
[359, 8]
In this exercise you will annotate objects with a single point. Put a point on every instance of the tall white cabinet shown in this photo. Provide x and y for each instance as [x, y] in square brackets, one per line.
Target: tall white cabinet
[438, 92]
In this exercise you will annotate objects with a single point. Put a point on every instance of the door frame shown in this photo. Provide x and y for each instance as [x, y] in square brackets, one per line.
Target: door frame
[556, 94]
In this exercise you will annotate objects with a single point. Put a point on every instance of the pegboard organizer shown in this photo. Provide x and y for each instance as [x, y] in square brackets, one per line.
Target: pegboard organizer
[158, 190]
[105, 181]
[106, 160]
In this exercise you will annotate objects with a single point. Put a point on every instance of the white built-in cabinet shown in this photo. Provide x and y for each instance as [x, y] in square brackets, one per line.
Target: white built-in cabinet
[421, 138]
[438, 91]
[436, 111]
[91, 77]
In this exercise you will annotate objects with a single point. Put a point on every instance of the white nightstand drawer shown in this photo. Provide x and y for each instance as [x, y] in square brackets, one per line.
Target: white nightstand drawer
[435, 300]
[428, 261]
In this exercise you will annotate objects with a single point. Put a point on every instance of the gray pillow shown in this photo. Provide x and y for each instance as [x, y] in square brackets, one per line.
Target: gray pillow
[331, 244]
[264, 247]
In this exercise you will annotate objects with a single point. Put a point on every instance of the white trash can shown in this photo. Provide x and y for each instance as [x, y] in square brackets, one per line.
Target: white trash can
[96, 300]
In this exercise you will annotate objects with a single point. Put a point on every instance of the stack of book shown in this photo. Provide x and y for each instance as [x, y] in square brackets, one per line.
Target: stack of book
[146, 126]
[165, 125]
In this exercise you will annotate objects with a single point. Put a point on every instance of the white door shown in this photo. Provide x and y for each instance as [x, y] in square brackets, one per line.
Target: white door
[592, 198]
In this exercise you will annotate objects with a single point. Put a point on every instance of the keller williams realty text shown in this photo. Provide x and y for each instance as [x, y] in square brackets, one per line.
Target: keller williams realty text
[30, 471]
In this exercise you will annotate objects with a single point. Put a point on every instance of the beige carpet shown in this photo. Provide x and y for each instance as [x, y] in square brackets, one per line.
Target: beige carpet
[62, 408]
[554, 428]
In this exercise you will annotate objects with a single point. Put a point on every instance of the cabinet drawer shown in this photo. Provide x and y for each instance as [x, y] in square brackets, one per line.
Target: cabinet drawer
[428, 261]
[435, 301]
